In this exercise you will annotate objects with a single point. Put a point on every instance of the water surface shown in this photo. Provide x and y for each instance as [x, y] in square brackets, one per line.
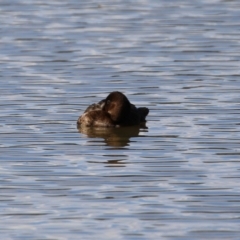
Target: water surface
[178, 178]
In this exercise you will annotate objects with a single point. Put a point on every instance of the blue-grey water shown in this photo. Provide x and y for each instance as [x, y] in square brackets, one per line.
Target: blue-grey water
[177, 179]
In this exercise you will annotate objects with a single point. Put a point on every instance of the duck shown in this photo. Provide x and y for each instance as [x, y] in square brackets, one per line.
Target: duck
[113, 111]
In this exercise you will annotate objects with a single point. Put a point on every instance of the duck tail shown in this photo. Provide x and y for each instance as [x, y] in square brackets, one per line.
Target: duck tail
[143, 112]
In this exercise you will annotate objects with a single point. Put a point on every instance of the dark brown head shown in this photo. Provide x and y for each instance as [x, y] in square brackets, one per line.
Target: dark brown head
[117, 106]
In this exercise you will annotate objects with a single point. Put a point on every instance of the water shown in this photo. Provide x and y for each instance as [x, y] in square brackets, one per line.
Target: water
[178, 178]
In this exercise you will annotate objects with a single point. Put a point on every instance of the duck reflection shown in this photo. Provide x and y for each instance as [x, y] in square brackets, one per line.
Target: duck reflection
[116, 137]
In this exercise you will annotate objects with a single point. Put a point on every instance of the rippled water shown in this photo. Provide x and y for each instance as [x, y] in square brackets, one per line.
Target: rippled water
[178, 178]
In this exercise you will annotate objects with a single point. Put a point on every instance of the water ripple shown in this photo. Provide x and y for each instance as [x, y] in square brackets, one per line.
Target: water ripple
[176, 178]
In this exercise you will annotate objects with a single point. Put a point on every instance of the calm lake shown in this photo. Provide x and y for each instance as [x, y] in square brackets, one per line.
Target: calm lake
[176, 179]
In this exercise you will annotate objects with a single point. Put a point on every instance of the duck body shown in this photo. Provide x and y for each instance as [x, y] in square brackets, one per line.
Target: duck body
[114, 111]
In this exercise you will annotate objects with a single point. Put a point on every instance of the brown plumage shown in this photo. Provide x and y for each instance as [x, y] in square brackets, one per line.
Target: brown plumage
[114, 111]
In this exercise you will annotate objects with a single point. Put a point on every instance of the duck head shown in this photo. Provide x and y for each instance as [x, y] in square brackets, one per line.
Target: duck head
[117, 106]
